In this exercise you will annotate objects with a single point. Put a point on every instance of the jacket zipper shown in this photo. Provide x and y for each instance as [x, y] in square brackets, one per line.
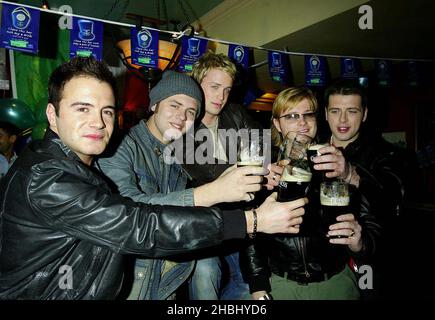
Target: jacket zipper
[301, 242]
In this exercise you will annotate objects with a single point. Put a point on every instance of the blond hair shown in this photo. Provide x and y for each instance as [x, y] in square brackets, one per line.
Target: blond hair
[287, 100]
[212, 60]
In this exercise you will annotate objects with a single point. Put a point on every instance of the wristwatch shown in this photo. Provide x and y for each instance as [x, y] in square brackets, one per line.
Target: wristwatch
[266, 297]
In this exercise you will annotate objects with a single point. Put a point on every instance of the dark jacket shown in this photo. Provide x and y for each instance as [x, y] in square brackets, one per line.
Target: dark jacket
[382, 168]
[57, 212]
[308, 258]
[233, 116]
[313, 258]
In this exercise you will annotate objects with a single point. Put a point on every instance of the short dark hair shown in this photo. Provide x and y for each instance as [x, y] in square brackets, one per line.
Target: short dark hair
[9, 128]
[76, 67]
[346, 87]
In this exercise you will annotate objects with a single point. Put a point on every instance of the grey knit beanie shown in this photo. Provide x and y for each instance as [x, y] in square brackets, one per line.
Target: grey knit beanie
[173, 83]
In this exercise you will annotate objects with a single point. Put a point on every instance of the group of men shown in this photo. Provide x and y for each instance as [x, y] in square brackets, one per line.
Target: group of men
[72, 214]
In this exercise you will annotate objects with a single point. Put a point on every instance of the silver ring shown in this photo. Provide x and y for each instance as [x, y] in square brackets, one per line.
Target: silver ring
[352, 233]
[274, 177]
[251, 196]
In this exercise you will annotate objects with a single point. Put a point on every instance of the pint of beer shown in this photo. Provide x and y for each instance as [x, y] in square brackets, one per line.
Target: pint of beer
[293, 185]
[335, 201]
[250, 153]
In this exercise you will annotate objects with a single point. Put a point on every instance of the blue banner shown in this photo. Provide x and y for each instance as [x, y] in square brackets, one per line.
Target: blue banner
[278, 66]
[19, 28]
[350, 68]
[144, 47]
[86, 38]
[383, 72]
[315, 70]
[191, 50]
[239, 54]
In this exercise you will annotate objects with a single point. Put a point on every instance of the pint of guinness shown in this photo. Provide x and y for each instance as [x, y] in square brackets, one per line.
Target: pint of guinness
[334, 199]
[293, 186]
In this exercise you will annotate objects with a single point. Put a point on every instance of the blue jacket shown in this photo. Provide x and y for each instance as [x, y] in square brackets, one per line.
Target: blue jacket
[140, 173]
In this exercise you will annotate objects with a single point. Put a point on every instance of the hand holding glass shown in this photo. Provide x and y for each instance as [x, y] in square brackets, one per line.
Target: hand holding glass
[296, 176]
[334, 199]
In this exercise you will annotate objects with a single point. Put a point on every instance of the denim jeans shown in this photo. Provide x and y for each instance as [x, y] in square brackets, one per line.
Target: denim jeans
[205, 283]
[206, 278]
[236, 288]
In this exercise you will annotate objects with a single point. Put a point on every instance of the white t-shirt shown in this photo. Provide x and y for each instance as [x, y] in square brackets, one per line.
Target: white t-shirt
[218, 149]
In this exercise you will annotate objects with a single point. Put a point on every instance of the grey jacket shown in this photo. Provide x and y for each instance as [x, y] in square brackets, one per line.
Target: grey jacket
[139, 171]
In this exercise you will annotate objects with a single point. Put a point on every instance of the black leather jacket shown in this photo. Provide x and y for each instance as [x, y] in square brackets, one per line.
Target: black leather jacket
[56, 211]
[233, 116]
[383, 170]
[311, 257]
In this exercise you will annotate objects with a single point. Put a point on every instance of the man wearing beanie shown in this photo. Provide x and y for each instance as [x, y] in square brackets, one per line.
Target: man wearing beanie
[139, 171]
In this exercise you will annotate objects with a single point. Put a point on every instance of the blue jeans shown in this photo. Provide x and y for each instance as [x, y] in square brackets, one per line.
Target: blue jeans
[206, 278]
[236, 288]
[205, 283]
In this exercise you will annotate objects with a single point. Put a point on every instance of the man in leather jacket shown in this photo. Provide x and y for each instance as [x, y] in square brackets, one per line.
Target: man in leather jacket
[379, 168]
[141, 172]
[312, 265]
[216, 73]
[64, 233]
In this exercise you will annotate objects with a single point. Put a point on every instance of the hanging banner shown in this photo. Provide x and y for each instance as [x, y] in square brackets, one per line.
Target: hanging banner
[86, 38]
[144, 47]
[315, 71]
[350, 68]
[414, 73]
[19, 28]
[239, 54]
[278, 66]
[191, 50]
[383, 72]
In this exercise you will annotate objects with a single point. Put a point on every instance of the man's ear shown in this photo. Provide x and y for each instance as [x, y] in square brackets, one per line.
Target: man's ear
[50, 111]
[276, 124]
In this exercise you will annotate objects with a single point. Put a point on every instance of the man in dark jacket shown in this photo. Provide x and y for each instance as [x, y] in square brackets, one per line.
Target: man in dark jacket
[63, 232]
[314, 264]
[377, 167]
[216, 73]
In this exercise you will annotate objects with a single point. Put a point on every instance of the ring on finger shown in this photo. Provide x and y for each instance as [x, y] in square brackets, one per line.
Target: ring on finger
[274, 177]
[352, 234]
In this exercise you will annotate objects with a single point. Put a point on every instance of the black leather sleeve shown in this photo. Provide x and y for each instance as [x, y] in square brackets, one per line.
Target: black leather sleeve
[254, 264]
[71, 200]
[371, 228]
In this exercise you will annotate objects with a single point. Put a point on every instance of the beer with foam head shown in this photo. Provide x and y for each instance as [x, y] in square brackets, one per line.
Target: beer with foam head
[293, 186]
[246, 163]
[335, 201]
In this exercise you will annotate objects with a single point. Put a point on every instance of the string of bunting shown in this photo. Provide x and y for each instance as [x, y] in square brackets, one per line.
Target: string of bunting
[20, 31]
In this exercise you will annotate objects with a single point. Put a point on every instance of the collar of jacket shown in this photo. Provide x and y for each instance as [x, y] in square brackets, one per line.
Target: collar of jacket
[223, 119]
[54, 144]
[148, 138]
